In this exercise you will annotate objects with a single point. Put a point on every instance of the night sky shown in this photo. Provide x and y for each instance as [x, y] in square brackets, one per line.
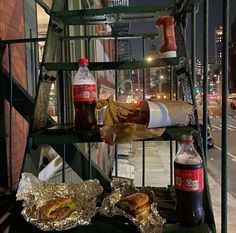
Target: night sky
[215, 19]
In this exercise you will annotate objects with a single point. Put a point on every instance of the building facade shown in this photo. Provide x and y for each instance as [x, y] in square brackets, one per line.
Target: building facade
[218, 46]
[232, 60]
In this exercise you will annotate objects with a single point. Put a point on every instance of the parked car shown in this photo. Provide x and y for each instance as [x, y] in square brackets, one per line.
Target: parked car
[232, 103]
[210, 140]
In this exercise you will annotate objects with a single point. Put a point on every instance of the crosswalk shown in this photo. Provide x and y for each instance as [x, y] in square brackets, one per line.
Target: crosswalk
[219, 127]
[230, 116]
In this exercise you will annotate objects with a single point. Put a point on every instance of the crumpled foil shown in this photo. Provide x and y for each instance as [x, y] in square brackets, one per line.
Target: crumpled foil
[121, 189]
[35, 193]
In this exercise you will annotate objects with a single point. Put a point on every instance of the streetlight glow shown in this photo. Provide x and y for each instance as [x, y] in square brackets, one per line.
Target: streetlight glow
[149, 59]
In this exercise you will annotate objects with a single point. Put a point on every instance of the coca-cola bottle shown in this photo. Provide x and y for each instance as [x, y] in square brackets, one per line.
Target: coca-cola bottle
[85, 96]
[189, 184]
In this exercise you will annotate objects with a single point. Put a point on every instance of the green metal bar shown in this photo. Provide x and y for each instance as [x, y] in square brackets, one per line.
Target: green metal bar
[109, 15]
[171, 141]
[144, 93]
[110, 37]
[116, 97]
[36, 66]
[112, 10]
[53, 137]
[224, 137]
[63, 177]
[92, 37]
[10, 163]
[3, 149]
[193, 45]
[44, 6]
[205, 77]
[63, 106]
[88, 54]
[114, 65]
[25, 40]
[90, 160]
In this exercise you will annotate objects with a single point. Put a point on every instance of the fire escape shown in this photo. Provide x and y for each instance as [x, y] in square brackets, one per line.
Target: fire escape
[56, 66]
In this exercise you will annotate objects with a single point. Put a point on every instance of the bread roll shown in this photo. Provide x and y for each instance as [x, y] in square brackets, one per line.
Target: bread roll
[136, 205]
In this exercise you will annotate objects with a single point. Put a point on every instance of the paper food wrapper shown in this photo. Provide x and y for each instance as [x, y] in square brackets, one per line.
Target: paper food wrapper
[125, 132]
[118, 112]
[126, 122]
[163, 113]
[35, 193]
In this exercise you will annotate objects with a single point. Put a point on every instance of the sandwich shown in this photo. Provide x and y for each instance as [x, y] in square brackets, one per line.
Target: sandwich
[57, 209]
[136, 205]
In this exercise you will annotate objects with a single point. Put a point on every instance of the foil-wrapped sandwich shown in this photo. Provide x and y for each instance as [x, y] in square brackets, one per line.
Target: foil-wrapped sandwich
[135, 204]
[59, 207]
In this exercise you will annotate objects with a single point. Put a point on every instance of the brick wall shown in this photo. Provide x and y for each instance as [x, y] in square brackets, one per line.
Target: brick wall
[12, 27]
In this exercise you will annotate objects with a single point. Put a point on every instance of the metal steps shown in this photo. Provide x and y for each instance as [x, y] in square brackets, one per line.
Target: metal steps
[125, 65]
[109, 15]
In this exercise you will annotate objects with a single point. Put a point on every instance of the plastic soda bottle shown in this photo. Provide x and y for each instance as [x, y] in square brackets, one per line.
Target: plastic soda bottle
[85, 96]
[189, 184]
[168, 48]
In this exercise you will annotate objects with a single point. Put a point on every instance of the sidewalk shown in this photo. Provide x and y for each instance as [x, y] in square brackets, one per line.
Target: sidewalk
[157, 174]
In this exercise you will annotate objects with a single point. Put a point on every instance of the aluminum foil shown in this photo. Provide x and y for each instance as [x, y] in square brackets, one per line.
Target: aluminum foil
[36, 193]
[121, 189]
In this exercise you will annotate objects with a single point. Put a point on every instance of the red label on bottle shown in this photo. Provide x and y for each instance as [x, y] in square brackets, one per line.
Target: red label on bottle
[85, 92]
[190, 180]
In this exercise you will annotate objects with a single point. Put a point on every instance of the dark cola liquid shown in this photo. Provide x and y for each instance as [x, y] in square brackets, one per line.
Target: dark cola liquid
[189, 206]
[85, 118]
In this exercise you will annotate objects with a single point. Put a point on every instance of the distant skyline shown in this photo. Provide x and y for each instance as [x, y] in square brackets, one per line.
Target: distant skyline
[215, 19]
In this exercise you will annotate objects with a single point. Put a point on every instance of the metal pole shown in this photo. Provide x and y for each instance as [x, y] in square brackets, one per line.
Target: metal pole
[90, 160]
[205, 77]
[144, 91]
[116, 96]
[171, 141]
[116, 71]
[3, 145]
[177, 98]
[89, 144]
[63, 109]
[225, 63]
[44, 6]
[36, 67]
[10, 120]
[32, 68]
[193, 46]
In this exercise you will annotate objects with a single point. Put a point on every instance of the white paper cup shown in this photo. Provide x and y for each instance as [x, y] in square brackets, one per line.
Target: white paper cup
[157, 113]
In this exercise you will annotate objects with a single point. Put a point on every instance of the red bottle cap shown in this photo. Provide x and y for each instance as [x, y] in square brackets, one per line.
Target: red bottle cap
[186, 138]
[83, 61]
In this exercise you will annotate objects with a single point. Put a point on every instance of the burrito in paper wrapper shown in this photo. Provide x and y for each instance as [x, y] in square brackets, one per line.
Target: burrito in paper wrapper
[126, 122]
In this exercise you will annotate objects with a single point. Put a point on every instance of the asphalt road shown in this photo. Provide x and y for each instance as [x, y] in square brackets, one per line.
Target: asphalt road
[214, 154]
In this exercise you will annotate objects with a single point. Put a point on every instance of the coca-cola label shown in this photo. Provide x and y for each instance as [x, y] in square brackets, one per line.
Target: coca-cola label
[190, 180]
[84, 92]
